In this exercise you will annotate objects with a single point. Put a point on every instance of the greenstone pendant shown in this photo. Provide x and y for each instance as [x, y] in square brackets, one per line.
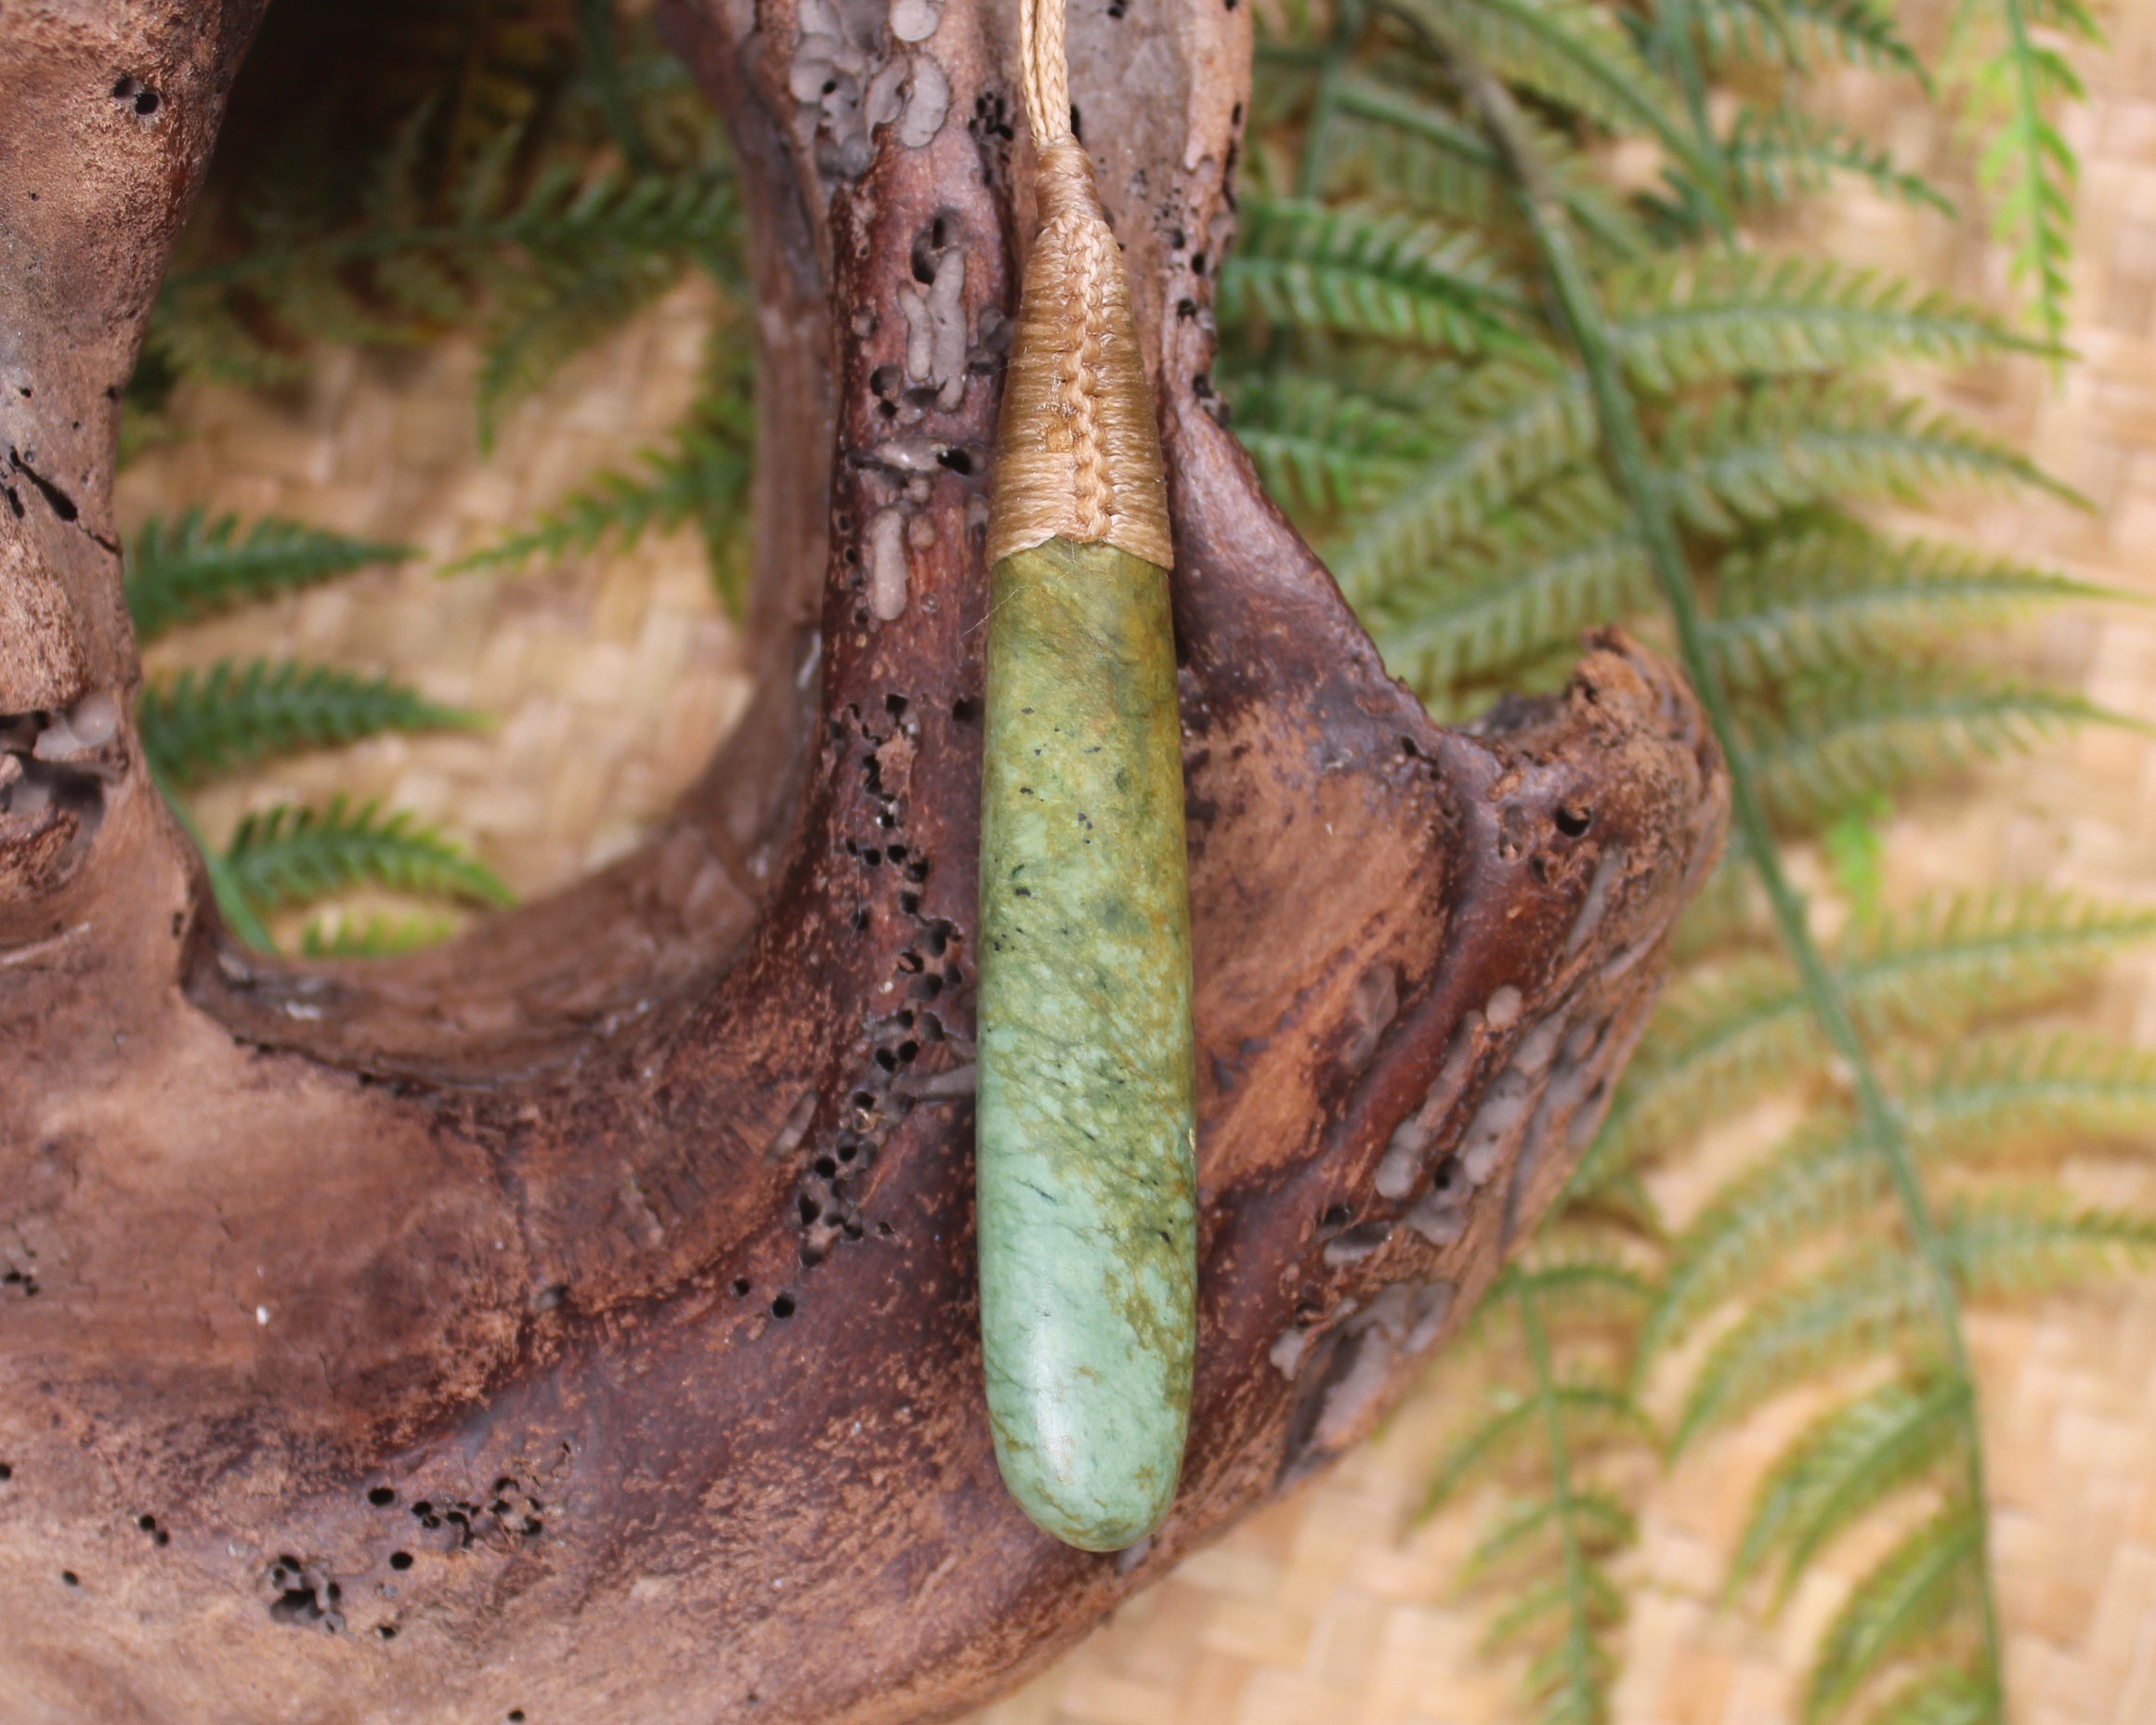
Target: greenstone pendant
[1086, 1137]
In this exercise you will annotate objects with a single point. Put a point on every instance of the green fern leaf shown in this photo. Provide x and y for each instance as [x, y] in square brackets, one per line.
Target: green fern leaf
[1402, 145]
[1796, 33]
[292, 855]
[1600, 1524]
[1993, 1096]
[375, 937]
[1512, 427]
[1509, 427]
[1723, 1037]
[1735, 314]
[1844, 1465]
[1576, 55]
[2028, 168]
[1592, 1413]
[1876, 1298]
[1507, 597]
[702, 474]
[1946, 1696]
[1860, 1304]
[180, 571]
[231, 717]
[1599, 1602]
[1783, 156]
[1850, 733]
[2035, 1242]
[1799, 444]
[554, 314]
[1907, 1599]
[1837, 593]
[1357, 269]
[1323, 444]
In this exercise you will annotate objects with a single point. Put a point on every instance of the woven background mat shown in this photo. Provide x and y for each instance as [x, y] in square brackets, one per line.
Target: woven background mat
[610, 678]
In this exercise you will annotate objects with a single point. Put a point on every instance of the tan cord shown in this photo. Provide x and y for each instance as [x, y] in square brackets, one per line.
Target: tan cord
[1078, 454]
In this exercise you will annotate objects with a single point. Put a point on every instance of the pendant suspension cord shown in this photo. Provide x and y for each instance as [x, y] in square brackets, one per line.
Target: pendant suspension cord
[1079, 454]
[1044, 74]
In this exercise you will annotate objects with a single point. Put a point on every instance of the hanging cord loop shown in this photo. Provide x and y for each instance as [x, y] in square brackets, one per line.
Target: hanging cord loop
[1078, 450]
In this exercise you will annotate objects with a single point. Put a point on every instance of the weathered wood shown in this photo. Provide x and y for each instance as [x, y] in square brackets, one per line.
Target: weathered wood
[582, 1319]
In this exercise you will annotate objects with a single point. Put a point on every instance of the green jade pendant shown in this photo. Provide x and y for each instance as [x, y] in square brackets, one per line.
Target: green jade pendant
[1086, 1137]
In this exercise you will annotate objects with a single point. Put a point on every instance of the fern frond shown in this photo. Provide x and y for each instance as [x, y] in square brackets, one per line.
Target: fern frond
[292, 855]
[2032, 1242]
[1322, 444]
[1848, 734]
[1508, 596]
[1837, 593]
[1947, 1695]
[1591, 1413]
[1403, 144]
[1737, 314]
[1577, 55]
[1516, 427]
[1896, 1608]
[1876, 1297]
[1783, 156]
[375, 937]
[180, 571]
[1599, 1522]
[1722, 1038]
[1795, 33]
[1995, 1095]
[1860, 1304]
[1799, 444]
[551, 315]
[1844, 1464]
[1358, 269]
[2028, 168]
[703, 472]
[234, 715]
[1595, 1600]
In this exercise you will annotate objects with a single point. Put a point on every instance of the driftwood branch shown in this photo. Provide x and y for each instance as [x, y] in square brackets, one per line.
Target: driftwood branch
[580, 1318]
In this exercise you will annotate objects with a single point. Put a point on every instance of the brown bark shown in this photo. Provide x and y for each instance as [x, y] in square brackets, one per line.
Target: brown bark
[580, 1319]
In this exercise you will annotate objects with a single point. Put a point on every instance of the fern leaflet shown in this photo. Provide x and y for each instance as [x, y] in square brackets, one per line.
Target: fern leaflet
[181, 571]
[233, 717]
[292, 855]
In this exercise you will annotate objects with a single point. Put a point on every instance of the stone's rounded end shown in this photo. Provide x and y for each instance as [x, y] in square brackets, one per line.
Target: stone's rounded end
[1113, 1501]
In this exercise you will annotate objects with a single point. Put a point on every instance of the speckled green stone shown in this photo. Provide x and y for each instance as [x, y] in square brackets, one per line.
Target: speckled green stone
[1087, 1146]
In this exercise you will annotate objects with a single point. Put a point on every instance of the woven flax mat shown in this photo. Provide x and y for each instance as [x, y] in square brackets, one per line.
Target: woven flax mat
[610, 678]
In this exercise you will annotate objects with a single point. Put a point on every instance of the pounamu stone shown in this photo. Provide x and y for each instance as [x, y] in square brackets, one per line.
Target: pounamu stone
[1086, 1140]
